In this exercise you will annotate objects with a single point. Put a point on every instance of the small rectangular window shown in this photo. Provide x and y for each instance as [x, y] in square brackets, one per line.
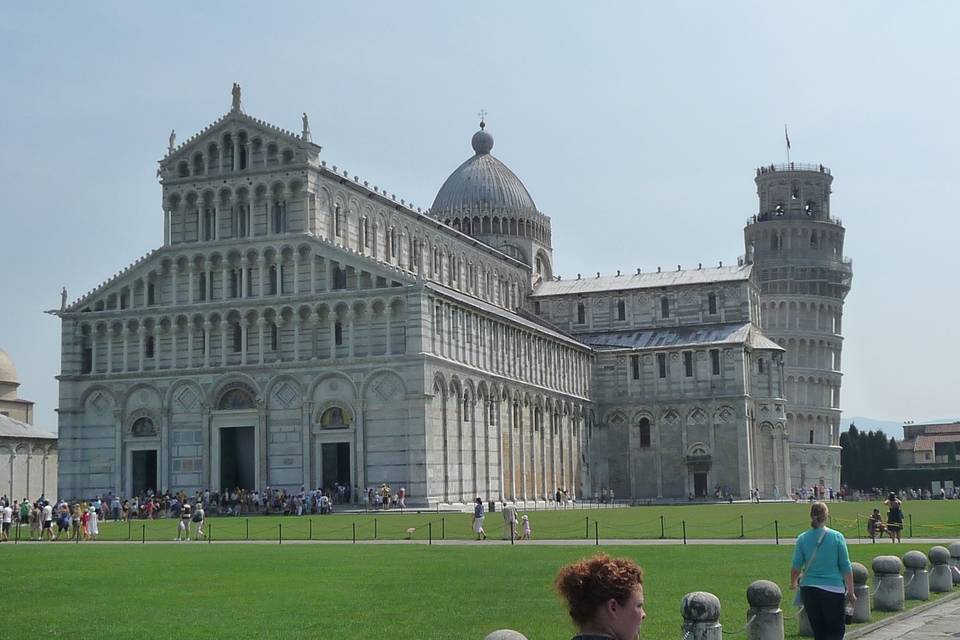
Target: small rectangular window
[688, 364]
[274, 337]
[664, 307]
[635, 367]
[202, 286]
[811, 436]
[712, 303]
[621, 310]
[581, 313]
[237, 337]
[339, 278]
[662, 365]
[760, 365]
[148, 347]
[715, 361]
[151, 294]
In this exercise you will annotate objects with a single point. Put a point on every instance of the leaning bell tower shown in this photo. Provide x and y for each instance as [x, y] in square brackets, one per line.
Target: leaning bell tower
[796, 247]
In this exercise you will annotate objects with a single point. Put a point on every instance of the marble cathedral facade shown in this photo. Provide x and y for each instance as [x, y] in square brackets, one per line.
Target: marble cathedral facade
[300, 326]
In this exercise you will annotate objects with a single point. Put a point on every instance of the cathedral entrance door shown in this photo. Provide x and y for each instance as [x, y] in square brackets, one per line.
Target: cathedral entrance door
[143, 471]
[700, 484]
[334, 464]
[237, 458]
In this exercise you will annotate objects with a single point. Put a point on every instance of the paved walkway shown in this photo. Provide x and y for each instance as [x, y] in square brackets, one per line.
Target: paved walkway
[939, 620]
[579, 542]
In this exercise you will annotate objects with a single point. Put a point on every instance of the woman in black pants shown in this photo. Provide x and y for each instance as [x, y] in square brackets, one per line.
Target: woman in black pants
[822, 571]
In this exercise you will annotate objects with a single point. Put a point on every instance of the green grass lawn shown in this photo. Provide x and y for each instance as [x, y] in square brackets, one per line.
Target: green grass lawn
[940, 519]
[344, 591]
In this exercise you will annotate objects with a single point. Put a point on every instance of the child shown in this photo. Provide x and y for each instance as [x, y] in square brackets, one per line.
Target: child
[525, 521]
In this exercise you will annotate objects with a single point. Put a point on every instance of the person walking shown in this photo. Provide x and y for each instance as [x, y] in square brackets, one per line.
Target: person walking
[183, 528]
[525, 523]
[199, 518]
[6, 518]
[509, 521]
[478, 520]
[894, 516]
[47, 531]
[604, 597]
[94, 523]
[821, 570]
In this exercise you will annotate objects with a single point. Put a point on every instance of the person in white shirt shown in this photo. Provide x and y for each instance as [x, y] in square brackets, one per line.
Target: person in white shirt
[6, 517]
[93, 524]
[198, 519]
[47, 531]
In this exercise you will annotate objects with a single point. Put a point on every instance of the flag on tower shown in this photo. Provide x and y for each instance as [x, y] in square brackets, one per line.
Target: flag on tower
[786, 135]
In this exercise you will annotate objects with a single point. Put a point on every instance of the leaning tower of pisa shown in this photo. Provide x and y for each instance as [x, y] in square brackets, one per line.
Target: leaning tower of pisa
[797, 249]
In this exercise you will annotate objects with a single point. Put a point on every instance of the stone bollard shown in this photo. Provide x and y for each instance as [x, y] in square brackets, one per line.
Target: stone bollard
[861, 610]
[701, 616]
[941, 579]
[954, 550]
[889, 591]
[505, 634]
[916, 579]
[764, 615]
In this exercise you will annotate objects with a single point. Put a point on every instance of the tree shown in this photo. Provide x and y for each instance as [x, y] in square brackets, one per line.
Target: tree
[863, 457]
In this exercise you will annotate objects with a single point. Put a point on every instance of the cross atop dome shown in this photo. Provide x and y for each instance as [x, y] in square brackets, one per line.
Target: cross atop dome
[483, 116]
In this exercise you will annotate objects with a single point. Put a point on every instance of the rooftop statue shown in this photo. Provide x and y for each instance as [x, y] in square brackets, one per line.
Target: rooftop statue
[235, 92]
[173, 141]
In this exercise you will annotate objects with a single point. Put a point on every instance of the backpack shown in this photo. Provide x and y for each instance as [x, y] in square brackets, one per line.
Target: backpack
[197, 517]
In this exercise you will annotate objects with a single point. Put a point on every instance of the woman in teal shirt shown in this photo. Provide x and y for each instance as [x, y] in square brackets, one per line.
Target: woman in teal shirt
[821, 569]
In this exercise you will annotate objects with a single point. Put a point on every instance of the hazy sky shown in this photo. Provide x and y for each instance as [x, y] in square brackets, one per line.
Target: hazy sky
[636, 126]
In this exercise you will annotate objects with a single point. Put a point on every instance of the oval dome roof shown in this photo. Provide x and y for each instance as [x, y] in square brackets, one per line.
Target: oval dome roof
[482, 183]
[8, 372]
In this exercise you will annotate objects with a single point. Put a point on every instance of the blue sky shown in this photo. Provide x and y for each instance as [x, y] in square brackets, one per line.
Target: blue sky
[636, 126]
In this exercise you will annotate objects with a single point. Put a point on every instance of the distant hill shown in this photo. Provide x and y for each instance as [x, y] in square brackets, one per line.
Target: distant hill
[892, 428]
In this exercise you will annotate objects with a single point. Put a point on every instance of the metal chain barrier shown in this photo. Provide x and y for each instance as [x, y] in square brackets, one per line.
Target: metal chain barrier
[745, 627]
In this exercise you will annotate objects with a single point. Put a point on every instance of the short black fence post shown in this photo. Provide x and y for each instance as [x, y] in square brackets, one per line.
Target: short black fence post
[374, 528]
[587, 532]
[443, 528]
[661, 528]
[429, 533]
[354, 533]
[684, 531]
[310, 529]
[858, 526]
[911, 524]
[143, 534]
[247, 536]
[596, 532]
[741, 525]
[210, 533]
[513, 532]
[279, 533]
[776, 531]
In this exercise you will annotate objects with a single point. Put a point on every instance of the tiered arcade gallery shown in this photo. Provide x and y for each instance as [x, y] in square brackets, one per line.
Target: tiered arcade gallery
[300, 326]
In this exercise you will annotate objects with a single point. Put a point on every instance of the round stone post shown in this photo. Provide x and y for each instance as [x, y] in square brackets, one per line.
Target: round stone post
[954, 550]
[861, 611]
[941, 579]
[764, 615]
[915, 576]
[701, 616]
[505, 634]
[889, 591]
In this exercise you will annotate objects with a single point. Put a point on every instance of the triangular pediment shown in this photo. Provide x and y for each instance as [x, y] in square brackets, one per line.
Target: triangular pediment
[160, 260]
[238, 130]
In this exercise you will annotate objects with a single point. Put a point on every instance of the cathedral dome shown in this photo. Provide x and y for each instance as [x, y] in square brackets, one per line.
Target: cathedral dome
[482, 184]
[8, 372]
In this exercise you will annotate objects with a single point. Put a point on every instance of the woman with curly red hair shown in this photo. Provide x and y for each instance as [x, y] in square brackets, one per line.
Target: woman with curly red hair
[604, 596]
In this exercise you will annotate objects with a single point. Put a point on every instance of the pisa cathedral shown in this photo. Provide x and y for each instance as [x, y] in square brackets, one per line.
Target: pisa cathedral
[300, 326]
